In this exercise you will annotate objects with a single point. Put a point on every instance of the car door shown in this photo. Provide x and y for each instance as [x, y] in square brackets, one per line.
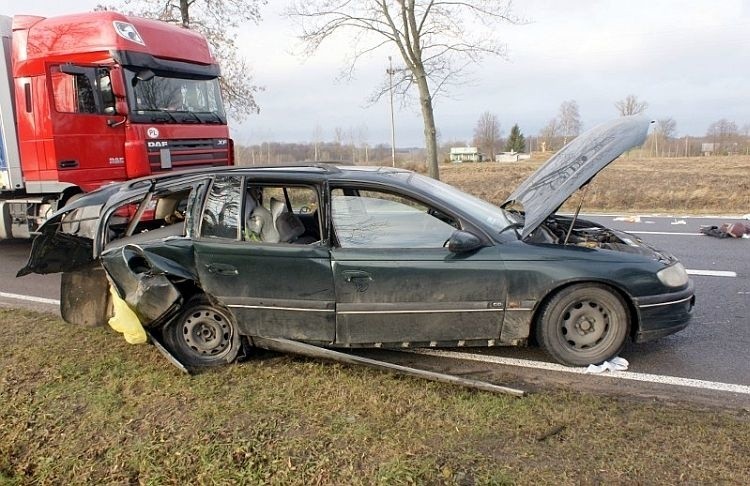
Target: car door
[397, 283]
[275, 289]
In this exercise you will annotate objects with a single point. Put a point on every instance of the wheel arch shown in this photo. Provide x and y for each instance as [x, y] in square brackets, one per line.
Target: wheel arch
[633, 316]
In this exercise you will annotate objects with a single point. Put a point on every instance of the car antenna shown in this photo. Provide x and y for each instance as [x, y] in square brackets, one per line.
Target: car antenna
[578, 210]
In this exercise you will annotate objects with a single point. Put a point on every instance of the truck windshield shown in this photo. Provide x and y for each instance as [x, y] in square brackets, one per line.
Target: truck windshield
[165, 98]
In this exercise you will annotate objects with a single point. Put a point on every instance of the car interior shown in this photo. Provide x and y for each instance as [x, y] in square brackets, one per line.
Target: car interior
[271, 217]
[162, 216]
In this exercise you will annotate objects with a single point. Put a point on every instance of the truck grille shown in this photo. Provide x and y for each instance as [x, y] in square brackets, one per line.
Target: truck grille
[165, 155]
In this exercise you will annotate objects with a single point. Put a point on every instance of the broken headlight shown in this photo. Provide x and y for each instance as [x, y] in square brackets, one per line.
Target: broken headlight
[673, 275]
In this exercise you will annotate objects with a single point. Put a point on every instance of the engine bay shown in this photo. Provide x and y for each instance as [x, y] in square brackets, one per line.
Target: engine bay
[587, 234]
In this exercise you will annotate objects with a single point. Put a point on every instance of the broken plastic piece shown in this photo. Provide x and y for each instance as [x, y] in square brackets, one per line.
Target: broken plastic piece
[614, 364]
[125, 321]
[628, 219]
[679, 221]
[165, 352]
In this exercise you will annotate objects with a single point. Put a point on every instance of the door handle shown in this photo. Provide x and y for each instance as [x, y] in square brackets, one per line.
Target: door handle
[353, 275]
[221, 269]
[360, 279]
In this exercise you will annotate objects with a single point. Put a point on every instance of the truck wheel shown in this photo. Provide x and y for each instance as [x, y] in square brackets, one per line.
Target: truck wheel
[583, 324]
[203, 335]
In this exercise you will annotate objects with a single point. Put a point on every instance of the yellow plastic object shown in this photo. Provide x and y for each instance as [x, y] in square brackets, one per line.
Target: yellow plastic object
[125, 321]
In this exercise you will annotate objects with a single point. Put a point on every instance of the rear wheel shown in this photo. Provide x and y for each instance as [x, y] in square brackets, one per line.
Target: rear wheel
[203, 335]
[583, 324]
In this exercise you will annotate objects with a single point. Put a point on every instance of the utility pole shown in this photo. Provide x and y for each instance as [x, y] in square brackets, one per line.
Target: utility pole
[391, 72]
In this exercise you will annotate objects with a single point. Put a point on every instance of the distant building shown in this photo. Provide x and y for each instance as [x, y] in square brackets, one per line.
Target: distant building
[708, 148]
[511, 157]
[465, 154]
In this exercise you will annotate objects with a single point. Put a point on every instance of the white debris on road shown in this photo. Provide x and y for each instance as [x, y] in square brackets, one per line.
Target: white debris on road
[628, 219]
[615, 364]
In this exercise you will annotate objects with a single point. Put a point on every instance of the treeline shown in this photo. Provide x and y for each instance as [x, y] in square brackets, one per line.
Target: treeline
[275, 153]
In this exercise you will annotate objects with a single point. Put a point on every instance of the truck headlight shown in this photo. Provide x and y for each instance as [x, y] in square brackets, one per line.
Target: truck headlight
[673, 275]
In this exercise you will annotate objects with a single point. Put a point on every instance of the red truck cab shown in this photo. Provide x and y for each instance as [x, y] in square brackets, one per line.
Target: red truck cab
[98, 98]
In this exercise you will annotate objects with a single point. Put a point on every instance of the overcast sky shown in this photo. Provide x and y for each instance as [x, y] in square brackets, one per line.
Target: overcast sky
[689, 59]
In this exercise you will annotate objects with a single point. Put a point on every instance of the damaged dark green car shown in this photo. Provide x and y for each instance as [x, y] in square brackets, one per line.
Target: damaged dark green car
[212, 261]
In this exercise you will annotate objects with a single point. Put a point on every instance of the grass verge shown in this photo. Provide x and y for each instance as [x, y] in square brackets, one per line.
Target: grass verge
[81, 406]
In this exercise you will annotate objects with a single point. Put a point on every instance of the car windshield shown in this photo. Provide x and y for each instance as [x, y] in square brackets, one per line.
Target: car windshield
[178, 99]
[489, 214]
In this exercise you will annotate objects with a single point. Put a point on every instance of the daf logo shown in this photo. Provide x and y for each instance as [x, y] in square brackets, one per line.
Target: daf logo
[152, 132]
[157, 144]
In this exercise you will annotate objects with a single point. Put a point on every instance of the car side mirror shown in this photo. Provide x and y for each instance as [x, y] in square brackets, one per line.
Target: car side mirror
[463, 242]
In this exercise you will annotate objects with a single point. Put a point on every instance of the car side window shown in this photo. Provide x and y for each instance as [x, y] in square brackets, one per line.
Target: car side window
[375, 219]
[280, 214]
[221, 214]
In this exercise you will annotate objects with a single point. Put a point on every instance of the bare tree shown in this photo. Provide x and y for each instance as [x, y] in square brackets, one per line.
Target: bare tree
[549, 135]
[363, 133]
[746, 136]
[487, 134]
[724, 134]
[317, 139]
[218, 21]
[338, 139]
[569, 120]
[631, 105]
[663, 132]
[436, 39]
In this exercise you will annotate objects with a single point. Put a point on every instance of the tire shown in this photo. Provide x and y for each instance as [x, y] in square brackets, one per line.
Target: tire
[203, 335]
[583, 324]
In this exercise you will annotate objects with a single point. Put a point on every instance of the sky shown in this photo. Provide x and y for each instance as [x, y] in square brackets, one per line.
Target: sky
[689, 59]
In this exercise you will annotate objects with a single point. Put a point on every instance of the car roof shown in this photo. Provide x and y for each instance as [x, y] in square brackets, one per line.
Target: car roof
[321, 169]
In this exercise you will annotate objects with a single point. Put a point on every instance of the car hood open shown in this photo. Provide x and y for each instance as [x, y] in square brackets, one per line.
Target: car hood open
[573, 166]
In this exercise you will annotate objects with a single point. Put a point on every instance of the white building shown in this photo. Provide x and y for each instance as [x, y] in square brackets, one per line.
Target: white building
[511, 157]
[465, 154]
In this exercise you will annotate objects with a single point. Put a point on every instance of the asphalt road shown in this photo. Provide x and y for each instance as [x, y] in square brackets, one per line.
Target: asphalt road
[715, 347]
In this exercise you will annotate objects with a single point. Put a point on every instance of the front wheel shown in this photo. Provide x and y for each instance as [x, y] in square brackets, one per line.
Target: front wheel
[583, 324]
[203, 335]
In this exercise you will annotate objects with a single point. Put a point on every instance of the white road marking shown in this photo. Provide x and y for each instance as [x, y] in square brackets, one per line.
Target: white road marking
[30, 298]
[623, 375]
[664, 233]
[712, 273]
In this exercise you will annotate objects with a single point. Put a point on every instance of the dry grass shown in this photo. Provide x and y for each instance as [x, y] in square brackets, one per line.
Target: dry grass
[79, 406]
[695, 185]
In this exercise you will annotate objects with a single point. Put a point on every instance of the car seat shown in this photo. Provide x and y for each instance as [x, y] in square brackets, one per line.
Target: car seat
[258, 220]
[286, 223]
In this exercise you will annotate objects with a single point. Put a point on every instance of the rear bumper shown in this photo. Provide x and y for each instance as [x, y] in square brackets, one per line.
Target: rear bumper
[664, 314]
